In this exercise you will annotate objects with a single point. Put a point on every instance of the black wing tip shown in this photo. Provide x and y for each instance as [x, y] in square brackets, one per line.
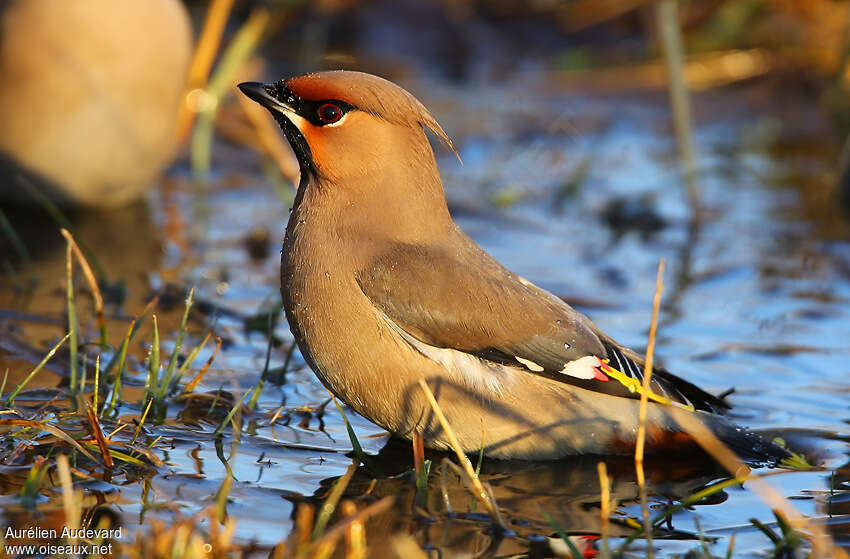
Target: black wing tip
[751, 447]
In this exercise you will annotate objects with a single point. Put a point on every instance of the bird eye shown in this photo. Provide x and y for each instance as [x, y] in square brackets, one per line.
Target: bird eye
[329, 113]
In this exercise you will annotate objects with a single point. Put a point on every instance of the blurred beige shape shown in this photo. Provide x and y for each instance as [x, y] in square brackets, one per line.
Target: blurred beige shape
[89, 93]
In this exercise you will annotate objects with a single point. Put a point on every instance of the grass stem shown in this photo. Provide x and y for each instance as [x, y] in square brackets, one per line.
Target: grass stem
[238, 51]
[71, 499]
[92, 281]
[209, 41]
[74, 362]
[604, 508]
[10, 401]
[96, 383]
[141, 422]
[165, 385]
[667, 18]
[122, 365]
[152, 380]
[644, 406]
[329, 506]
[197, 379]
[355, 443]
[479, 491]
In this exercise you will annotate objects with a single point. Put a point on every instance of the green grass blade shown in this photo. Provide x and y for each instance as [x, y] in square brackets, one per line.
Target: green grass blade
[72, 319]
[181, 335]
[152, 380]
[122, 365]
[11, 399]
[235, 408]
[355, 444]
[562, 534]
[96, 383]
[5, 378]
[684, 503]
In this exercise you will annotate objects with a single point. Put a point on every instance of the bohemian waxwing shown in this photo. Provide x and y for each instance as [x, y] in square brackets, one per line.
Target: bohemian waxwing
[381, 289]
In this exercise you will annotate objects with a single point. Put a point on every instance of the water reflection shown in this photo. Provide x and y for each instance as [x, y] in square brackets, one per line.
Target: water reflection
[449, 519]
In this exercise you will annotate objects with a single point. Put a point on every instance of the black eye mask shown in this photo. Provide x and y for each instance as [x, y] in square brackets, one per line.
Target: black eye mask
[311, 111]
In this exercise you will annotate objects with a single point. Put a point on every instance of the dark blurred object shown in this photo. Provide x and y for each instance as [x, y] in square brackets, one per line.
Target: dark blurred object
[258, 243]
[625, 214]
[89, 96]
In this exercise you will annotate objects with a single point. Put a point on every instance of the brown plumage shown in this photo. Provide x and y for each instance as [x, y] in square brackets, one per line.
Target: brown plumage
[381, 288]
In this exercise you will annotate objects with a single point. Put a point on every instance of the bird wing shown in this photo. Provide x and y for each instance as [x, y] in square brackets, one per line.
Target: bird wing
[454, 296]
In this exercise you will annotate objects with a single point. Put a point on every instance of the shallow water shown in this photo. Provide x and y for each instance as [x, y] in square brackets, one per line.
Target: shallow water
[579, 194]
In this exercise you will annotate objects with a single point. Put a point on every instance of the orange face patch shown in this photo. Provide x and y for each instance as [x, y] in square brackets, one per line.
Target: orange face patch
[315, 137]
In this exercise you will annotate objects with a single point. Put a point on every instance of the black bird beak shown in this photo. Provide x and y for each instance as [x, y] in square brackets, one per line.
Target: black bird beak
[262, 94]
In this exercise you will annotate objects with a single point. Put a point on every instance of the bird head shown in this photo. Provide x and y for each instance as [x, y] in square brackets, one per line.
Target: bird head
[344, 125]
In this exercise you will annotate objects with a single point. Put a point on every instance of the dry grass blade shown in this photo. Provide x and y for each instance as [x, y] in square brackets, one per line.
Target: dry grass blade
[71, 500]
[202, 61]
[221, 83]
[91, 281]
[299, 538]
[355, 538]
[97, 432]
[418, 451]
[184, 537]
[701, 71]
[332, 536]
[644, 405]
[667, 18]
[647, 368]
[53, 430]
[195, 381]
[604, 508]
[479, 491]
[193, 354]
